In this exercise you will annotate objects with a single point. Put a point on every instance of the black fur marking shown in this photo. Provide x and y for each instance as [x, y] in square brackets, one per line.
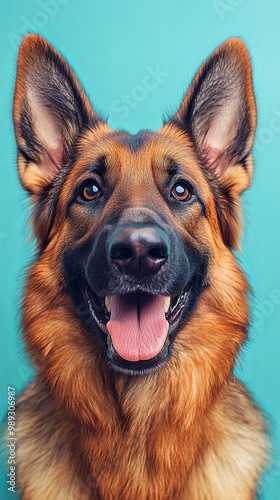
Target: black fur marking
[135, 141]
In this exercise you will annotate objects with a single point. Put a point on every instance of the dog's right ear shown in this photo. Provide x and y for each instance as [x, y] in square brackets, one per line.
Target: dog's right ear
[50, 110]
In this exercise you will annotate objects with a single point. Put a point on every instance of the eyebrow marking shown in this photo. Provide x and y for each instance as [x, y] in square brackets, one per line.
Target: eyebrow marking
[99, 166]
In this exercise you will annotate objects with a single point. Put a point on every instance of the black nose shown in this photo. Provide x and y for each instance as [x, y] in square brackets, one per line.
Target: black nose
[138, 250]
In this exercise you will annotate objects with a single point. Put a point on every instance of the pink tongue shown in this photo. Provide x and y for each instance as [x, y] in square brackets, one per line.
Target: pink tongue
[138, 327]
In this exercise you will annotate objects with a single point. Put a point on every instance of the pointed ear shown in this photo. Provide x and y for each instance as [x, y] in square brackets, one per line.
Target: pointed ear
[219, 110]
[219, 113]
[50, 110]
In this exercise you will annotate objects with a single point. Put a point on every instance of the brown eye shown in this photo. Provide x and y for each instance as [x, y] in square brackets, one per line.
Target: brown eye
[91, 191]
[181, 192]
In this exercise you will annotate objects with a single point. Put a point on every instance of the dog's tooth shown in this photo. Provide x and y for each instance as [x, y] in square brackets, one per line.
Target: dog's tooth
[166, 304]
[108, 303]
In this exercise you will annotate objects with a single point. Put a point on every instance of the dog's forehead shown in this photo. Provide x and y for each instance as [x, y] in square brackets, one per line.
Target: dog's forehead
[124, 153]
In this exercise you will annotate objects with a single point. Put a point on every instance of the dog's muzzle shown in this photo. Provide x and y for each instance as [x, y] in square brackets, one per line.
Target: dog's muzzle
[137, 280]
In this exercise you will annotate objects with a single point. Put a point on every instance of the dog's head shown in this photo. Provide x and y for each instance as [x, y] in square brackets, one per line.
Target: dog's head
[135, 227]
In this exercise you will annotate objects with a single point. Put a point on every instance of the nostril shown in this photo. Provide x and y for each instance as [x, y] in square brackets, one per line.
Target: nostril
[120, 252]
[158, 253]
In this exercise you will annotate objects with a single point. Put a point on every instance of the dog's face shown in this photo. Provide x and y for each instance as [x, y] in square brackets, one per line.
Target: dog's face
[133, 251]
[134, 223]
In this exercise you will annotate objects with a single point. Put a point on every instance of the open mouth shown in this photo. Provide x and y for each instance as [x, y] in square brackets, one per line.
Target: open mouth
[137, 326]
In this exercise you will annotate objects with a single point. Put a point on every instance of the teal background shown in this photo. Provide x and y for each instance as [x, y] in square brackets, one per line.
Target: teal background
[112, 46]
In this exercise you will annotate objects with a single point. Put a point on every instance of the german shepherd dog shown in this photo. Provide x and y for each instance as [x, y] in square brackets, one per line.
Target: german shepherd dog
[135, 307]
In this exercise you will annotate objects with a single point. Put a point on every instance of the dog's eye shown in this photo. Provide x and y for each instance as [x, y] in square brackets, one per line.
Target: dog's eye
[90, 191]
[181, 192]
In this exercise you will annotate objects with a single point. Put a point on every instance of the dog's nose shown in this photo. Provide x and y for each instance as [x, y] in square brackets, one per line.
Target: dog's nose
[138, 251]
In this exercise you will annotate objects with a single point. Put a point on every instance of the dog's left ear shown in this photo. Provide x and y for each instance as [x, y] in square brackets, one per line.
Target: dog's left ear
[219, 113]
